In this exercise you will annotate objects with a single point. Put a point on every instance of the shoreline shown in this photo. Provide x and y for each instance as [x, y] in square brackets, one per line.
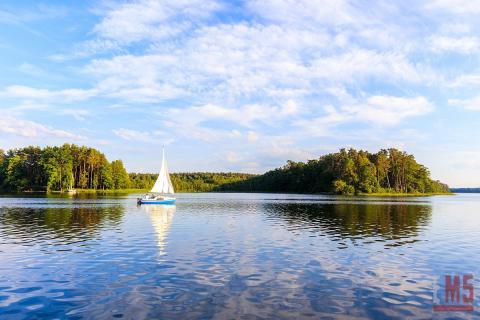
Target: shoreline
[406, 194]
[129, 191]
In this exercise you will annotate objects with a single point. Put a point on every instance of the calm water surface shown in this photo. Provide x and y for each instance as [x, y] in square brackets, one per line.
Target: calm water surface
[232, 256]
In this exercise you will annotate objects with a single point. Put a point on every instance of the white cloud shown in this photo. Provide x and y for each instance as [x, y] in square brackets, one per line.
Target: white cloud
[78, 114]
[193, 122]
[65, 95]
[358, 64]
[465, 81]
[285, 150]
[252, 136]
[246, 115]
[86, 49]
[31, 69]
[331, 12]
[153, 136]
[275, 151]
[26, 106]
[388, 110]
[137, 78]
[33, 13]
[455, 6]
[463, 45]
[152, 19]
[227, 62]
[30, 129]
[377, 110]
[192, 131]
[132, 135]
[472, 104]
[268, 59]
[232, 157]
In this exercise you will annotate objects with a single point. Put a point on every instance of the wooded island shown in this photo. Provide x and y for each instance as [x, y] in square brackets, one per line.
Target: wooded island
[345, 172]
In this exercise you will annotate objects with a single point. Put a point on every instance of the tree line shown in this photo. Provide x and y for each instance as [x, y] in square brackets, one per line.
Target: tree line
[71, 166]
[59, 168]
[346, 172]
[190, 181]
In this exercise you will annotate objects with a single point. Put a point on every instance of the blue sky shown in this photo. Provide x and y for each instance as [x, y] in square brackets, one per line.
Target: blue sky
[244, 85]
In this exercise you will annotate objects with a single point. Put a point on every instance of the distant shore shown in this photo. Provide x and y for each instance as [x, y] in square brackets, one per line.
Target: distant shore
[112, 191]
[82, 191]
[406, 194]
[388, 172]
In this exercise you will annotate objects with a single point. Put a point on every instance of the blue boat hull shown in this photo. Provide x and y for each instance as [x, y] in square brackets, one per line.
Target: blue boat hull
[152, 201]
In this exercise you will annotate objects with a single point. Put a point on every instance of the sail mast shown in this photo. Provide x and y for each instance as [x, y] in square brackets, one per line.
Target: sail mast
[163, 183]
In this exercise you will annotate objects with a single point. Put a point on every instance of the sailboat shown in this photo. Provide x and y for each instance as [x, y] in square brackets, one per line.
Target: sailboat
[162, 191]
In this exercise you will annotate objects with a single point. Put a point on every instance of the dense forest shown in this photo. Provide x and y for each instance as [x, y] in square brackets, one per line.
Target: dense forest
[71, 166]
[346, 172]
[190, 182]
[60, 168]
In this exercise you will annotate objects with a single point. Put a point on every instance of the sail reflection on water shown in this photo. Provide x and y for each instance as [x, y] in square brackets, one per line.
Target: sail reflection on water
[161, 216]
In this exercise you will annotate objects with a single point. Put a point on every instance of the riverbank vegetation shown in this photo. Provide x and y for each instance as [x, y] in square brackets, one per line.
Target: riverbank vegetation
[347, 172]
[88, 170]
[59, 168]
[386, 172]
[190, 181]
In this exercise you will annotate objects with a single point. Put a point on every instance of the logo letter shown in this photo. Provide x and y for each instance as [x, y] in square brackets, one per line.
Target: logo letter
[469, 287]
[452, 288]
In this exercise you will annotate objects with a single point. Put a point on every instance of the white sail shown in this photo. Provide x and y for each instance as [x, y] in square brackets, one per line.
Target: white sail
[163, 183]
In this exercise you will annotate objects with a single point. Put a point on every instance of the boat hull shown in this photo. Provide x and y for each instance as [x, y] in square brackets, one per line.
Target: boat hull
[154, 201]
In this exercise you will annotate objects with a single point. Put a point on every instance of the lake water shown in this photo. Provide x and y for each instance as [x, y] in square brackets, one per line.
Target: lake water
[232, 256]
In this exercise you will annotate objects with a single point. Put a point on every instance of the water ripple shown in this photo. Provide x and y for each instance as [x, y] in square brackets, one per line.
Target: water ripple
[245, 256]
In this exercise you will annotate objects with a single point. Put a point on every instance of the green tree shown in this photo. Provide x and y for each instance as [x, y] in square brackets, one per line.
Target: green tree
[120, 176]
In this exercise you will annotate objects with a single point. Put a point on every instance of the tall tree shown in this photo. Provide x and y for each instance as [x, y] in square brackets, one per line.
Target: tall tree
[120, 178]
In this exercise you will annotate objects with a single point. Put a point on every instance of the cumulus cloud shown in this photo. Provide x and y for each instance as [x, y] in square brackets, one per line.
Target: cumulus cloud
[195, 122]
[66, 95]
[331, 12]
[152, 136]
[245, 115]
[288, 50]
[231, 61]
[455, 6]
[465, 80]
[472, 104]
[31, 69]
[359, 64]
[232, 157]
[151, 19]
[378, 110]
[78, 114]
[29, 129]
[388, 110]
[132, 135]
[252, 136]
[463, 45]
